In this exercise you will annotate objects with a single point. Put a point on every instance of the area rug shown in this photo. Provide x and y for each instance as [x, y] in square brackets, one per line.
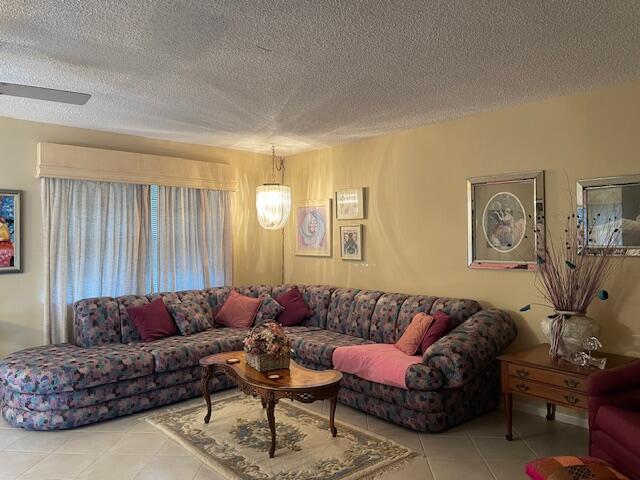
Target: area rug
[235, 443]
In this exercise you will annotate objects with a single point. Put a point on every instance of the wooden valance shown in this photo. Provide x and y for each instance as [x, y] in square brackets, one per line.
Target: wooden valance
[101, 165]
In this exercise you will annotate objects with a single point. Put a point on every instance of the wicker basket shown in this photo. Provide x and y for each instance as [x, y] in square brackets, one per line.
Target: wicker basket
[265, 362]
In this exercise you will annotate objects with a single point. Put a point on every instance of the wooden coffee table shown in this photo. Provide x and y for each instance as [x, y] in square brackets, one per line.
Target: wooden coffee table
[296, 382]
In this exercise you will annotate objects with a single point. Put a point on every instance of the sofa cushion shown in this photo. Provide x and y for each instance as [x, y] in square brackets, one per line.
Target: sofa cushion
[382, 327]
[152, 321]
[191, 317]
[460, 309]
[175, 353]
[238, 311]
[295, 308]
[318, 346]
[413, 304]
[622, 425]
[377, 362]
[269, 309]
[441, 325]
[129, 331]
[97, 322]
[410, 341]
[358, 322]
[66, 367]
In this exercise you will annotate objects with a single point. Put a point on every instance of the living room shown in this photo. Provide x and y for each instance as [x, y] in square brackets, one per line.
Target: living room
[261, 170]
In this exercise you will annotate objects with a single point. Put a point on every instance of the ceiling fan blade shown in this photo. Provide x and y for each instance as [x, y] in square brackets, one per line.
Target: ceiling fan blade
[40, 93]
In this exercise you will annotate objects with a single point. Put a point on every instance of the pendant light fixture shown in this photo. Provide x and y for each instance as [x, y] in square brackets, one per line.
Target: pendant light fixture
[273, 200]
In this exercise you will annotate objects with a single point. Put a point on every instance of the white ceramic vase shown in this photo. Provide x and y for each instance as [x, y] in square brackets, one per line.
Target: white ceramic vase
[576, 329]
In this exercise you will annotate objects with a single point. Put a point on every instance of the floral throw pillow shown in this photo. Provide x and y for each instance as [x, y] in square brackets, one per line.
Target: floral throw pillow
[191, 317]
[269, 309]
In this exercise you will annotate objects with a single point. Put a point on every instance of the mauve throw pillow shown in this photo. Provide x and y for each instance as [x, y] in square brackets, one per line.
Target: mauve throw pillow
[190, 317]
[238, 311]
[152, 321]
[411, 339]
[441, 325]
[269, 309]
[295, 308]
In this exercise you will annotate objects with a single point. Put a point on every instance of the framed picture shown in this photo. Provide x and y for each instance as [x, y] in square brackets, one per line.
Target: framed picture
[10, 231]
[505, 221]
[351, 242]
[350, 204]
[313, 228]
[604, 206]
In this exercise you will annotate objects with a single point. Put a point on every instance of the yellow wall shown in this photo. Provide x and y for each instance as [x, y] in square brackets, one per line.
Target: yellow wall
[257, 252]
[415, 236]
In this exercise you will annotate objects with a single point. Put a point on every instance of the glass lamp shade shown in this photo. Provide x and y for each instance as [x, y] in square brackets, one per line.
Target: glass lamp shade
[273, 203]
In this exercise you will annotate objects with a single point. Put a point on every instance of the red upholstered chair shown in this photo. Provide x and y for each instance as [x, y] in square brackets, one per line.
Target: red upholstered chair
[614, 417]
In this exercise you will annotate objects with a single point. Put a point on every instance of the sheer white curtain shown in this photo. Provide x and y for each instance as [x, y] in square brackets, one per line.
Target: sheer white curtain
[96, 236]
[193, 245]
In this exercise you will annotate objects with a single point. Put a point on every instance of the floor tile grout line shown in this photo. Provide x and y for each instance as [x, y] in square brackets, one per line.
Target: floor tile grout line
[484, 460]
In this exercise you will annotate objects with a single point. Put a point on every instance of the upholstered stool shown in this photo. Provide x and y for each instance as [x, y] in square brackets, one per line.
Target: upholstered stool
[572, 468]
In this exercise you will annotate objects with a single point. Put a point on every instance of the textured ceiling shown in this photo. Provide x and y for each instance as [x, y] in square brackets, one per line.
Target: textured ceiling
[304, 73]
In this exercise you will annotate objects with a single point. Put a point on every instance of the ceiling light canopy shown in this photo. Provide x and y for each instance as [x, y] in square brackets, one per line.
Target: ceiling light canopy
[273, 200]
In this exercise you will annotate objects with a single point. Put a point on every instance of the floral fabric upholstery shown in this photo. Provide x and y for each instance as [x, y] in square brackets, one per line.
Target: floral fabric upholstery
[269, 309]
[198, 296]
[254, 290]
[422, 377]
[385, 316]
[97, 322]
[66, 367]
[167, 297]
[318, 346]
[358, 323]
[318, 298]
[340, 307]
[470, 347]
[217, 297]
[176, 353]
[458, 309]
[191, 317]
[129, 331]
[100, 394]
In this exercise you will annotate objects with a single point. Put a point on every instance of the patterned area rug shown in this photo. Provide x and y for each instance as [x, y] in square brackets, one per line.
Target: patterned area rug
[236, 442]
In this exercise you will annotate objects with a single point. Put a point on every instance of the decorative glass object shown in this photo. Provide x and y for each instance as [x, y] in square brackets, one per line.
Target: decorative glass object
[585, 359]
[273, 203]
[273, 200]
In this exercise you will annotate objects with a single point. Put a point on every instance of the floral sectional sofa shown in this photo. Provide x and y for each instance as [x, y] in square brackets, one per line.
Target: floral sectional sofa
[109, 372]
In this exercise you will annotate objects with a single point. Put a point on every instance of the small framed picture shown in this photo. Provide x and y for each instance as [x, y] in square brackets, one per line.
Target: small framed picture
[350, 204]
[313, 228]
[351, 242]
[10, 231]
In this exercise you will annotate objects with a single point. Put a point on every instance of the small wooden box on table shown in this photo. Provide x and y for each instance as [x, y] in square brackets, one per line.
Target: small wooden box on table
[533, 373]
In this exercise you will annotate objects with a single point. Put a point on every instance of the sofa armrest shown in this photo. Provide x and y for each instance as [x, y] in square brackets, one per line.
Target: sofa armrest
[614, 380]
[422, 377]
[471, 347]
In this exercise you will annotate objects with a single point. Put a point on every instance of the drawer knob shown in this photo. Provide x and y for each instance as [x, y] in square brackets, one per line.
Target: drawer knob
[571, 399]
[522, 387]
[571, 383]
[521, 372]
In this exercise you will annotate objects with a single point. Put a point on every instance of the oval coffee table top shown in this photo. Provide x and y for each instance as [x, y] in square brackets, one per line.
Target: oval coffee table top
[294, 378]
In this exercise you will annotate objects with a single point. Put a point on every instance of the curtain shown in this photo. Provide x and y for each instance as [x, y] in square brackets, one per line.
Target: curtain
[96, 236]
[193, 245]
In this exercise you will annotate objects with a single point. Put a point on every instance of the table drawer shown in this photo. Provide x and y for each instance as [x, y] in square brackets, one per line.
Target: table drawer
[576, 383]
[547, 392]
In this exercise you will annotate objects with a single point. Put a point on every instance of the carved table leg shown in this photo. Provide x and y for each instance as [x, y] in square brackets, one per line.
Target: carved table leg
[264, 402]
[551, 411]
[271, 404]
[332, 416]
[206, 376]
[508, 405]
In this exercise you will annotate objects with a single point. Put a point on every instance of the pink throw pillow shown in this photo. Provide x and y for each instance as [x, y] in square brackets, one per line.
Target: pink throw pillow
[295, 308]
[410, 340]
[442, 324]
[238, 311]
[152, 321]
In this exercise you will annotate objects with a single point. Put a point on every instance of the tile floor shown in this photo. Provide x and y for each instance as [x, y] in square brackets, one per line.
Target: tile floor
[130, 448]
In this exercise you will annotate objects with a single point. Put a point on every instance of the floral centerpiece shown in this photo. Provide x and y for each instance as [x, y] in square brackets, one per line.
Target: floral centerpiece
[569, 278]
[267, 347]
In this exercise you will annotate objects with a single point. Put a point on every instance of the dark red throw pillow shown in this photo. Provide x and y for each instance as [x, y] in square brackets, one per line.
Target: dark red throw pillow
[441, 325]
[295, 308]
[153, 321]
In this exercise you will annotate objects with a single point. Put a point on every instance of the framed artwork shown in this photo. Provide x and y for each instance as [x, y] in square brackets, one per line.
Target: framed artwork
[607, 204]
[351, 242]
[10, 231]
[313, 228]
[505, 221]
[350, 204]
